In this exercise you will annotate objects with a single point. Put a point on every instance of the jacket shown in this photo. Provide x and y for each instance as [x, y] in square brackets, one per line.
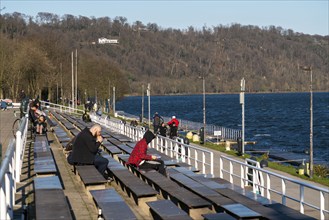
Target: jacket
[84, 148]
[139, 152]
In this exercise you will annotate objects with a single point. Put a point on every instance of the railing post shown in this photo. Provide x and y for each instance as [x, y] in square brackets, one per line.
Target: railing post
[231, 172]
[301, 200]
[241, 176]
[283, 185]
[17, 156]
[211, 164]
[221, 167]
[268, 186]
[203, 163]
[322, 201]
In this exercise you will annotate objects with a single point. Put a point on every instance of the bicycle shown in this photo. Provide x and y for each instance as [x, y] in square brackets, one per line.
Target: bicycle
[16, 124]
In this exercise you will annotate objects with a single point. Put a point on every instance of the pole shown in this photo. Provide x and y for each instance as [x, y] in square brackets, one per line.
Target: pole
[311, 125]
[72, 80]
[142, 116]
[149, 102]
[114, 101]
[204, 108]
[57, 93]
[76, 78]
[242, 108]
[61, 83]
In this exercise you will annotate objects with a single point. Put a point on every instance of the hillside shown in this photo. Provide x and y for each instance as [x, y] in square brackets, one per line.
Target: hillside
[36, 57]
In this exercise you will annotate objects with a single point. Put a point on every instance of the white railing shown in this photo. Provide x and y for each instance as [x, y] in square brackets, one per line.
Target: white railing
[61, 108]
[263, 185]
[10, 171]
[200, 158]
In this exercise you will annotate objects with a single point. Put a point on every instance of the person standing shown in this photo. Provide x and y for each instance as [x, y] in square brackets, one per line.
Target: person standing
[163, 129]
[85, 149]
[157, 121]
[140, 159]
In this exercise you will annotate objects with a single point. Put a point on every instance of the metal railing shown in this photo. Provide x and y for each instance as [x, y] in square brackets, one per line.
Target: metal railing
[61, 108]
[263, 185]
[200, 158]
[10, 170]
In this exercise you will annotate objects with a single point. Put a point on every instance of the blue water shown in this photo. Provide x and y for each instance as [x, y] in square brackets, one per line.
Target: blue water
[278, 122]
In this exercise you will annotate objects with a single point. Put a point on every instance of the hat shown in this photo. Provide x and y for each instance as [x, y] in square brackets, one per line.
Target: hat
[173, 116]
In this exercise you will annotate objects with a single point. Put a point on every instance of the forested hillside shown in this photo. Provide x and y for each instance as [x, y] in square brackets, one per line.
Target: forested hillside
[36, 57]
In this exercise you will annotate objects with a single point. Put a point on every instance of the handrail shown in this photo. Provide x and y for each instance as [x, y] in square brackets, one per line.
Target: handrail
[198, 157]
[267, 186]
[10, 170]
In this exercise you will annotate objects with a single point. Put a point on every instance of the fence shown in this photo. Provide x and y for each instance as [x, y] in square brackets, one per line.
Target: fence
[200, 158]
[10, 170]
[263, 185]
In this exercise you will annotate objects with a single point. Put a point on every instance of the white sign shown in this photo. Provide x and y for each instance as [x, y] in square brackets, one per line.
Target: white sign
[217, 133]
[104, 40]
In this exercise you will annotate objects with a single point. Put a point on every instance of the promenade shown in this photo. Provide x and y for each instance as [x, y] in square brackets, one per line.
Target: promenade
[83, 206]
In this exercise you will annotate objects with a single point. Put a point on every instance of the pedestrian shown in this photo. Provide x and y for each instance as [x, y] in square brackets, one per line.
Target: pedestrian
[85, 149]
[143, 161]
[157, 121]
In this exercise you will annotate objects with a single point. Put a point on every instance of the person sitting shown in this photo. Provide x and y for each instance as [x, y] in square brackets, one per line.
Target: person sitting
[163, 129]
[85, 149]
[41, 125]
[86, 116]
[143, 161]
[3, 105]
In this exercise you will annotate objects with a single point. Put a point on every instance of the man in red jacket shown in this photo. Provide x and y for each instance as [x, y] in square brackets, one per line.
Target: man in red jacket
[140, 159]
[173, 124]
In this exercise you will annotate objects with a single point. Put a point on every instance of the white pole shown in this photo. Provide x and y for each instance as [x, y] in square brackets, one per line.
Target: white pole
[114, 101]
[76, 78]
[204, 108]
[311, 126]
[149, 102]
[242, 106]
[142, 116]
[72, 79]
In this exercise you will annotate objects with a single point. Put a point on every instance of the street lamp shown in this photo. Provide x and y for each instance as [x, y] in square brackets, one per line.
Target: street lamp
[149, 102]
[309, 69]
[204, 107]
[243, 87]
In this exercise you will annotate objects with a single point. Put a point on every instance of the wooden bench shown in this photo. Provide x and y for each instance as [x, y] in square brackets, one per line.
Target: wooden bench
[112, 205]
[90, 177]
[50, 201]
[44, 163]
[167, 210]
[217, 216]
[208, 194]
[113, 150]
[288, 212]
[188, 201]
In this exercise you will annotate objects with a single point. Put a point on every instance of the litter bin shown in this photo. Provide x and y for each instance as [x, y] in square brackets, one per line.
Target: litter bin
[202, 139]
[239, 141]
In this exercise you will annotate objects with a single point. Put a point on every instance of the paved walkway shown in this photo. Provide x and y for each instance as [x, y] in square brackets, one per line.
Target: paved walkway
[6, 121]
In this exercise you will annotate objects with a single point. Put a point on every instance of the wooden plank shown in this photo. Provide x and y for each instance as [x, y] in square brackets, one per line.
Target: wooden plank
[51, 204]
[112, 205]
[166, 209]
[90, 175]
[48, 182]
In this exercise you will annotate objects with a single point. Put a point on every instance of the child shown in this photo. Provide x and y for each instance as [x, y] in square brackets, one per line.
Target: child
[41, 125]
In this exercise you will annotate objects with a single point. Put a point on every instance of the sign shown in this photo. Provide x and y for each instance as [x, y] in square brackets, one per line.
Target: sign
[217, 133]
[104, 40]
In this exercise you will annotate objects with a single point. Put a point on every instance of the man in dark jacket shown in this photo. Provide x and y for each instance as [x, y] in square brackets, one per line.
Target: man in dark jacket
[85, 148]
[140, 159]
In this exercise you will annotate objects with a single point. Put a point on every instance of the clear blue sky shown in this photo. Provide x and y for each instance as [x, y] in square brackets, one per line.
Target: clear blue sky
[304, 16]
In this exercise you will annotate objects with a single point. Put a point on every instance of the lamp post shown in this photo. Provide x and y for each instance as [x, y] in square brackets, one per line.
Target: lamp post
[149, 102]
[142, 116]
[309, 69]
[204, 108]
[242, 84]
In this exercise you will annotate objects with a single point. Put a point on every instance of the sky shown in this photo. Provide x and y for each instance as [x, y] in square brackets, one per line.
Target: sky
[303, 16]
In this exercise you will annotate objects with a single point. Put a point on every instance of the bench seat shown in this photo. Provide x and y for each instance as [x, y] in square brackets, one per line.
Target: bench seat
[49, 182]
[90, 177]
[167, 210]
[288, 212]
[112, 205]
[51, 204]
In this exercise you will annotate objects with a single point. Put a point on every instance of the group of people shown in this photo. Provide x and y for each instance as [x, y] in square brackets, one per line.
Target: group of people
[160, 127]
[37, 117]
[86, 145]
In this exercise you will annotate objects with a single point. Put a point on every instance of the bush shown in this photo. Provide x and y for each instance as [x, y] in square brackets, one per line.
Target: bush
[321, 171]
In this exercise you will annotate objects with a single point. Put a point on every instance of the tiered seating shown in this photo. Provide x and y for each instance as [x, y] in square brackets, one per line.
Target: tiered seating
[44, 163]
